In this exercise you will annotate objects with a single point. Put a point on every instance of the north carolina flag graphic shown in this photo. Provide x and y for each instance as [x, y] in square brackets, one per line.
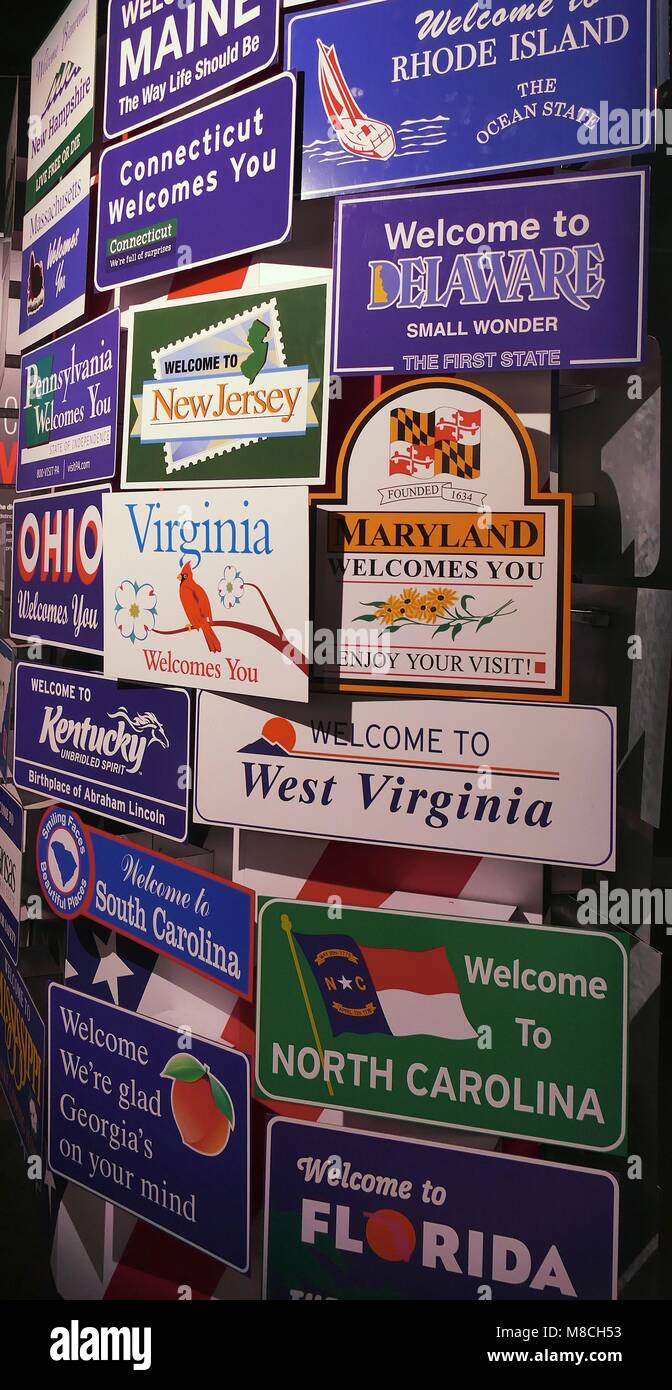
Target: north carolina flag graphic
[381, 989]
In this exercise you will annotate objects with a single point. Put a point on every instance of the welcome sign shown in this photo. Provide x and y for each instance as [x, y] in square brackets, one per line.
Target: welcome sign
[57, 570]
[117, 752]
[229, 388]
[61, 98]
[206, 186]
[398, 94]
[204, 588]
[54, 258]
[12, 845]
[7, 670]
[535, 273]
[22, 1057]
[496, 779]
[68, 415]
[152, 1118]
[520, 1031]
[449, 572]
[354, 1215]
[163, 57]
[194, 917]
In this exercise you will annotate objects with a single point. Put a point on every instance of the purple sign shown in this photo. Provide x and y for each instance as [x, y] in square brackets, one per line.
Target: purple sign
[54, 258]
[12, 843]
[110, 750]
[21, 1057]
[162, 59]
[208, 926]
[153, 1119]
[539, 273]
[214, 184]
[68, 417]
[57, 570]
[353, 1215]
[394, 93]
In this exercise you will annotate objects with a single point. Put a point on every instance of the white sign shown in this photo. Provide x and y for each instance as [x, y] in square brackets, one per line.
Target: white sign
[203, 588]
[446, 571]
[506, 780]
[180, 408]
[61, 98]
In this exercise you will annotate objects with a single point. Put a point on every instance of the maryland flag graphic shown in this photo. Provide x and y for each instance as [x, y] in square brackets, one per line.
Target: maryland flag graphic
[424, 443]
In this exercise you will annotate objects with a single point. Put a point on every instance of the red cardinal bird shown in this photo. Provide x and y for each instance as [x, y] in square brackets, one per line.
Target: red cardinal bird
[196, 605]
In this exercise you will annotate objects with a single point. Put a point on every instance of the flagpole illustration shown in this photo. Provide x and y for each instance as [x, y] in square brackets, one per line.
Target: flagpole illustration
[287, 928]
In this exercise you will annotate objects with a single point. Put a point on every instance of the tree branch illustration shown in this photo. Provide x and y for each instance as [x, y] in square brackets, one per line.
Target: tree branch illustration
[277, 639]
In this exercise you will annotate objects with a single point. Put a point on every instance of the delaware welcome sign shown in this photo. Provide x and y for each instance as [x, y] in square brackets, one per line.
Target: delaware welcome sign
[534, 273]
[520, 1031]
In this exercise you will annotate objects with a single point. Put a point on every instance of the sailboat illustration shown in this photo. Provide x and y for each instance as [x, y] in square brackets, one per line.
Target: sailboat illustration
[356, 133]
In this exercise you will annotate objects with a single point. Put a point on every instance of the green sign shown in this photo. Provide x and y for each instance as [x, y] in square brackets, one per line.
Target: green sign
[229, 388]
[515, 1030]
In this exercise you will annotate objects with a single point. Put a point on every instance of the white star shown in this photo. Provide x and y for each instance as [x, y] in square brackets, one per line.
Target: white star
[345, 984]
[111, 968]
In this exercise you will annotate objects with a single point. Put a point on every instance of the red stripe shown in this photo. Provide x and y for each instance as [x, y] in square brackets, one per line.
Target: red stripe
[155, 1265]
[344, 869]
[423, 972]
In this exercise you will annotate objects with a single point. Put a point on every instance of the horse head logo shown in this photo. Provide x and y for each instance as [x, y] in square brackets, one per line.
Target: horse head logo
[145, 724]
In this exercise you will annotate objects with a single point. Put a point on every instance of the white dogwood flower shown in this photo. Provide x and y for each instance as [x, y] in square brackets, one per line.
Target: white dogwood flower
[135, 610]
[231, 587]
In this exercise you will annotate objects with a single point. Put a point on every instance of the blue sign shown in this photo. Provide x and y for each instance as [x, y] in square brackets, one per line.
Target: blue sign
[7, 668]
[117, 751]
[54, 258]
[353, 1215]
[21, 1057]
[189, 915]
[57, 569]
[538, 273]
[12, 841]
[214, 184]
[153, 1119]
[162, 59]
[68, 415]
[401, 94]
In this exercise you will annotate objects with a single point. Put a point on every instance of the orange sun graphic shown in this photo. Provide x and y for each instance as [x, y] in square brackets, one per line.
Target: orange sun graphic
[278, 730]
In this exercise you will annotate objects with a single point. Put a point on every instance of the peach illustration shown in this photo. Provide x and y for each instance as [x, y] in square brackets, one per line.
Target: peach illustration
[202, 1107]
[390, 1235]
